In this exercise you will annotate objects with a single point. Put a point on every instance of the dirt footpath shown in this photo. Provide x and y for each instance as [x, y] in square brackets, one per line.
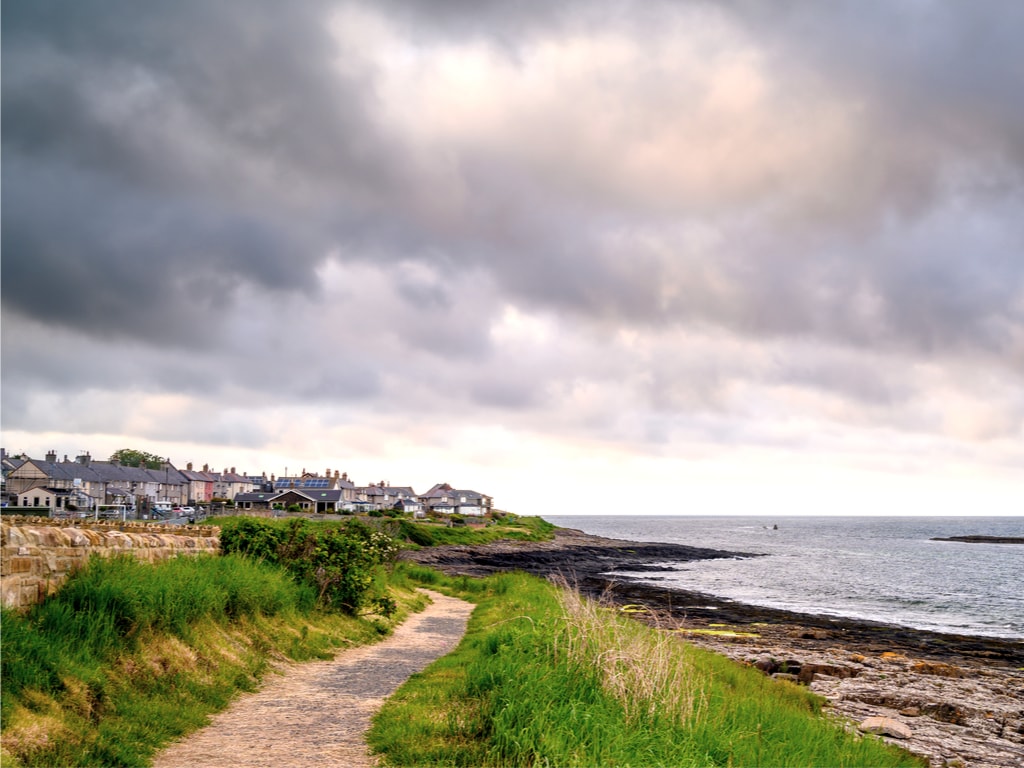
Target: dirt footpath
[317, 713]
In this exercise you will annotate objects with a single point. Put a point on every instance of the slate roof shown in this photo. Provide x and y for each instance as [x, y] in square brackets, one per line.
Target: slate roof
[107, 472]
[194, 476]
[257, 496]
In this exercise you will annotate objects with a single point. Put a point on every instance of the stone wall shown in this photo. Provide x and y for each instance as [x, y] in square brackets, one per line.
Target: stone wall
[37, 553]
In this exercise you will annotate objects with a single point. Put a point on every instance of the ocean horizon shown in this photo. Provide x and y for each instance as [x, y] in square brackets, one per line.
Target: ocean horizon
[877, 568]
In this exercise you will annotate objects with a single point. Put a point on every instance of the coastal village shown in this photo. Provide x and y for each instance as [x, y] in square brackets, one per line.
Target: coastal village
[84, 485]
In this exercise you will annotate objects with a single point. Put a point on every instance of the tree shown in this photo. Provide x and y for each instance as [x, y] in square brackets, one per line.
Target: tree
[130, 457]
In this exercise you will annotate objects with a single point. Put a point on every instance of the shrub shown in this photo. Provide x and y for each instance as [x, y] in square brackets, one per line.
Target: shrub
[338, 560]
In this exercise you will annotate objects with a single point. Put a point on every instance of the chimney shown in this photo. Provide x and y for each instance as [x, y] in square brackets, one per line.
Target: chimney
[336, 473]
[51, 456]
[189, 466]
[344, 475]
[327, 473]
[65, 458]
[115, 462]
[84, 459]
[206, 467]
[232, 470]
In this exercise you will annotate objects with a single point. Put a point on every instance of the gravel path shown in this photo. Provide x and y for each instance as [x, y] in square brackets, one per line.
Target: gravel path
[317, 713]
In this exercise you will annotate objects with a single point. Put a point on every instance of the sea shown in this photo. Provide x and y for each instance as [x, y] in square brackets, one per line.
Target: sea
[886, 569]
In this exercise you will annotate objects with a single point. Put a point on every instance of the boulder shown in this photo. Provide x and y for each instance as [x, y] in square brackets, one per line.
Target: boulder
[885, 726]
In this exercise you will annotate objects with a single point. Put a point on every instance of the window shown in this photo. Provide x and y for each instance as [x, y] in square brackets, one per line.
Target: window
[35, 501]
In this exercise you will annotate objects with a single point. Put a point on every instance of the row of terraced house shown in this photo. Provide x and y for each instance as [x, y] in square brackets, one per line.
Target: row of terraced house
[85, 484]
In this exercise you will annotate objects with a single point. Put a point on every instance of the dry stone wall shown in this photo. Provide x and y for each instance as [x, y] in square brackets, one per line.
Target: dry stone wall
[37, 554]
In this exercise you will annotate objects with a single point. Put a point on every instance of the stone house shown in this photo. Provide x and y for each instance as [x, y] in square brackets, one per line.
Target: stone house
[228, 484]
[447, 500]
[383, 496]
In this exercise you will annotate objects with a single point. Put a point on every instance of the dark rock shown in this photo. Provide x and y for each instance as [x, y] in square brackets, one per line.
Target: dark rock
[946, 713]
[983, 539]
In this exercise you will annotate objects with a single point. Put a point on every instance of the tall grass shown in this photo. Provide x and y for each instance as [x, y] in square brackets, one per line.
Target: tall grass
[648, 673]
[128, 655]
[546, 678]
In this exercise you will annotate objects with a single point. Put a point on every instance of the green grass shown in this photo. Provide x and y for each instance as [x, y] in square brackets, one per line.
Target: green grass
[128, 656]
[506, 527]
[544, 678]
[499, 525]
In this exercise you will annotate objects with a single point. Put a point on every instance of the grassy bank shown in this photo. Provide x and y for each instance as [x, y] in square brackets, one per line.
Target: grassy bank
[507, 526]
[128, 656]
[544, 678]
[411, 533]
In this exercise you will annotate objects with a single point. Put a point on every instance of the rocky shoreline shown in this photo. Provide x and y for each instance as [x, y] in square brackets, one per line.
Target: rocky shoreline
[954, 699]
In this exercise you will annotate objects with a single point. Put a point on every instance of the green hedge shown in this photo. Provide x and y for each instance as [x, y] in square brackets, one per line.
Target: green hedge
[340, 560]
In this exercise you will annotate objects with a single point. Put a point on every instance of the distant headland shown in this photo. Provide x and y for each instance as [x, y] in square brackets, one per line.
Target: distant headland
[984, 539]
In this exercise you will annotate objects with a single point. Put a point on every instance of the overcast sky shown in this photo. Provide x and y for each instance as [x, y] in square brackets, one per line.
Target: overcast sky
[682, 257]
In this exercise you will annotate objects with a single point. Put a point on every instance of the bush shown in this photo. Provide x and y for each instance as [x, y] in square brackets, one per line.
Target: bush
[338, 560]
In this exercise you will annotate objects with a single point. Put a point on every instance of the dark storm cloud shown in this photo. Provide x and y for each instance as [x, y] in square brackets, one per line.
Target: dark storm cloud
[83, 252]
[157, 157]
